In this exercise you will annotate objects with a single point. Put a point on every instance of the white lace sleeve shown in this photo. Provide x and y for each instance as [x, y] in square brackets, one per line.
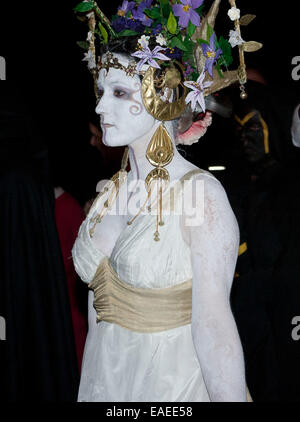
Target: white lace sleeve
[214, 247]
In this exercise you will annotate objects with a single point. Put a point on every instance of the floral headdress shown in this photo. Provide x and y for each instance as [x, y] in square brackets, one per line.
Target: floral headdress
[174, 35]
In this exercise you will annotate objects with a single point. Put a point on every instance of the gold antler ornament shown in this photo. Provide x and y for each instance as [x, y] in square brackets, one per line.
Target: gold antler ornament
[173, 42]
[245, 46]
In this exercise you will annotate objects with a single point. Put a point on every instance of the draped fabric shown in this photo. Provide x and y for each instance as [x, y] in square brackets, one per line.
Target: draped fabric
[138, 309]
[37, 359]
[69, 216]
[123, 364]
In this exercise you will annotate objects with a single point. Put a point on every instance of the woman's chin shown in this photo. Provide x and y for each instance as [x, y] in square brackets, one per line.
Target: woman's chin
[113, 142]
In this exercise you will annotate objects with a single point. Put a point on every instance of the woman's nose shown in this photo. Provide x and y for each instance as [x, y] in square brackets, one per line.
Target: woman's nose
[99, 107]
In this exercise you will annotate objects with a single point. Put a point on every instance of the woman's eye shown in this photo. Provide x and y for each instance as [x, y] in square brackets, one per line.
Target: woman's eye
[100, 93]
[119, 93]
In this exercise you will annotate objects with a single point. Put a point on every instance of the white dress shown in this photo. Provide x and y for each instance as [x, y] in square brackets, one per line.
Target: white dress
[122, 365]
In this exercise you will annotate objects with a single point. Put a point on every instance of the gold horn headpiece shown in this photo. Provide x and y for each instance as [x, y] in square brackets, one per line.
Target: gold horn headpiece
[178, 54]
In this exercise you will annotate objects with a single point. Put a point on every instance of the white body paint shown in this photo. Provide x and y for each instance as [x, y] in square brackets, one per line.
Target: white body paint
[295, 130]
[209, 251]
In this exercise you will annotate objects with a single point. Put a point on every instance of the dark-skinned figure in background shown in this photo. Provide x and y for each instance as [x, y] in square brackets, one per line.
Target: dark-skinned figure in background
[266, 289]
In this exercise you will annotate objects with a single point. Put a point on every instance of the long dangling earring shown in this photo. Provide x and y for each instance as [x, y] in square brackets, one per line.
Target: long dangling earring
[117, 180]
[159, 153]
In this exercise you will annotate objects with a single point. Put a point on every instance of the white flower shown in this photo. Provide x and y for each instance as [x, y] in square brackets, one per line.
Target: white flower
[166, 95]
[89, 36]
[89, 15]
[235, 39]
[234, 13]
[160, 39]
[144, 39]
[147, 56]
[89, 57]
[196, 95]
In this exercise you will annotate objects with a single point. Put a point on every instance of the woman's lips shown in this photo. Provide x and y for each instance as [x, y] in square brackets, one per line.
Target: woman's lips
[107, 125]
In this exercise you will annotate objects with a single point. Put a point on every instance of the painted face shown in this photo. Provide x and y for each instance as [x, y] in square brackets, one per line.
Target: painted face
[123, 116]
[252, 132]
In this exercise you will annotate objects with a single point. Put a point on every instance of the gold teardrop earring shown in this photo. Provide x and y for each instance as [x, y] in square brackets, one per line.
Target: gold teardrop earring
[159, 153]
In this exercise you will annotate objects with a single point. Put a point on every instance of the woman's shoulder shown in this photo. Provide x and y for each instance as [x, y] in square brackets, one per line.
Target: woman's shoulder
[195, 173]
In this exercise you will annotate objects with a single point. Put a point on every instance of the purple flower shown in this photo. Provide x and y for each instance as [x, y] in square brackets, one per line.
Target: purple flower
[185, 11]
[145, 4]
[157, 29]
[139, 15]
[135, 25]
[126, 7]
[211, 54]
[119, 24]
[197, 93]
[147, 56]
[188, 69]
[174, 53]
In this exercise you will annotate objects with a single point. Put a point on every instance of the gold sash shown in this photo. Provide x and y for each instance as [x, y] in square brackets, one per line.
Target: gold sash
[140, 309]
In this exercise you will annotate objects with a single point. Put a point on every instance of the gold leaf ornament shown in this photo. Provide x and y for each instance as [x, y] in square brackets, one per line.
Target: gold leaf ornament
[153, 103]
[160, 149]
[246, 19]
[251, 46]
[172, 78]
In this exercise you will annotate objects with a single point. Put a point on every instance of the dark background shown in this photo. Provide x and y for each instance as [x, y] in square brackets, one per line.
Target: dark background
[38, 41]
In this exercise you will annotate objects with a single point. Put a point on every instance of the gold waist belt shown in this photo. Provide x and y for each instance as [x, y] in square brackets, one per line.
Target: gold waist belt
[139, 309]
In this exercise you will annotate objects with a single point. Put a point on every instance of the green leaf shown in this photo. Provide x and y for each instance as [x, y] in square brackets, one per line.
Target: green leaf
[225, 45]
[81, 18]
[190, 58]
[165, 7]
[103, 33]
[188, 55]
[177, 42]
[200, 9]
[84, 6]
[190, 45]
[226, 51]
[218, 68]
[83, 44]
[127, 33]
[194, 76]
[217, 45]
[201, 41]
[172, 23]
[153, 13]
[191, 29]
[210, 31]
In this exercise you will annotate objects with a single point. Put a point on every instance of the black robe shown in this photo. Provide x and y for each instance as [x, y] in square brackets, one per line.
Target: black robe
[37, 358]
[266, 290]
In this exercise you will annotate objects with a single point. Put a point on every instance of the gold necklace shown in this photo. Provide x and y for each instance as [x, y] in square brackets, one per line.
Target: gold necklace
[116, 182]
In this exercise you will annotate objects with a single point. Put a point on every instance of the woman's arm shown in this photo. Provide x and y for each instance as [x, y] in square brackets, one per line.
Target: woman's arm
[214, 247]
[92, 314]
[295, 130]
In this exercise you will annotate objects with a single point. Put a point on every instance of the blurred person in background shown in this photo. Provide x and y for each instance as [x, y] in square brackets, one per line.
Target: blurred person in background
[69, 216]
[265, 292]
[38, 357]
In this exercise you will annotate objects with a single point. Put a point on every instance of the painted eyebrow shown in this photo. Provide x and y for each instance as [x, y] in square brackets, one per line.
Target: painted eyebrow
[116, 82]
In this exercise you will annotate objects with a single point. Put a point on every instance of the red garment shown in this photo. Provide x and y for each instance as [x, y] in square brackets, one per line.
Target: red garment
[69, 216]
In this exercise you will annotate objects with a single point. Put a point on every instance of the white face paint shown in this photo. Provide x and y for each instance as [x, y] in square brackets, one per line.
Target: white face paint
[124, 118]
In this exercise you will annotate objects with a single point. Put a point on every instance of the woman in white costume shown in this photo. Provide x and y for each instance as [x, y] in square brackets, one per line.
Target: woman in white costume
[160, 322]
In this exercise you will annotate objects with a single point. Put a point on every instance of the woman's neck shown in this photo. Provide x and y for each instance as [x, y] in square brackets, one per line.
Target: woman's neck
[141, 167]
